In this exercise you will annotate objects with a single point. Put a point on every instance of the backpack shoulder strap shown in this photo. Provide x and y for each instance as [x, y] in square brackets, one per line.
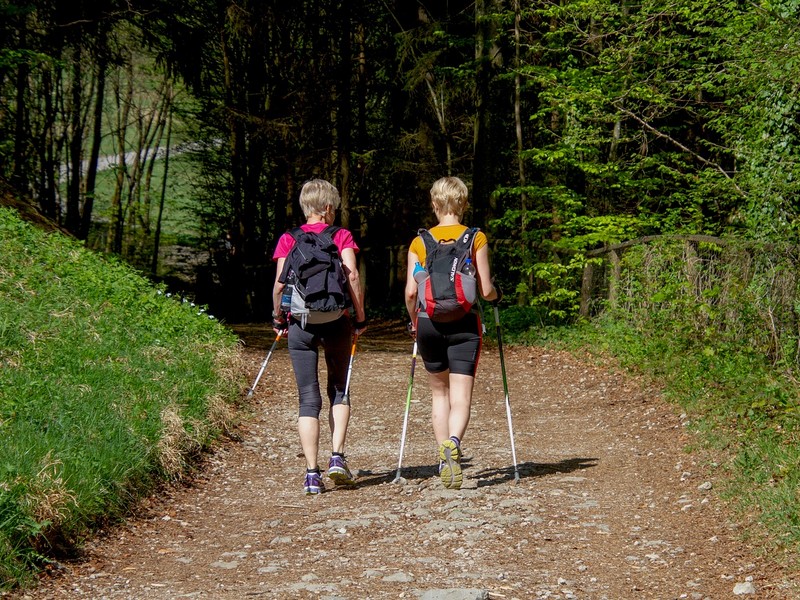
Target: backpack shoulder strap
[328, 233]
[467, 239]
[295, 232]
[428, 239]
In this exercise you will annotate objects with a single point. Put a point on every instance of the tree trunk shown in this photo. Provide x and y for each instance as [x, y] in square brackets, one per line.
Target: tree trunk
[518, 117]
[18, 173]
[94, 152]
[116, 215]
[73, 218]
[344, 117]
[235, 148]
[586, 289]
[157, 237]
[149, 147]
[47, 184]
[483, 168]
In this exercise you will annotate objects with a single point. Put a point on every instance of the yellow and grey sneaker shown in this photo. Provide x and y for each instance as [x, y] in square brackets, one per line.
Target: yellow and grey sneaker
[338, 471]
[450, 465]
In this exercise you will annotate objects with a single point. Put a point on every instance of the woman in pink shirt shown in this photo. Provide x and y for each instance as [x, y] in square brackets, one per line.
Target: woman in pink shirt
[319, 201]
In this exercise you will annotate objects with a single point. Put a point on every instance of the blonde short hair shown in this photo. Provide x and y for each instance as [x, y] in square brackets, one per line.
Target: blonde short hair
[317, 195]
[449, 196]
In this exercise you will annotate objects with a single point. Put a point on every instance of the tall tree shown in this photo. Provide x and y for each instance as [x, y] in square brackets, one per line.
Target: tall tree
[488, 58]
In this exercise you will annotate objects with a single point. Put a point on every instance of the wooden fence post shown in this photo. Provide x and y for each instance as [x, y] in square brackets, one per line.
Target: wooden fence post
[586, 288]
[692, 260]
[616, 275]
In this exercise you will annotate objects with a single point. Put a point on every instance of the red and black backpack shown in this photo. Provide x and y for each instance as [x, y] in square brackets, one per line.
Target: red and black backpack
[449, 291]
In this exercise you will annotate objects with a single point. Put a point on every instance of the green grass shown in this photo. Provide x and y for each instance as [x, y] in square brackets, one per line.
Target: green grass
[743, 411]
[107, 387]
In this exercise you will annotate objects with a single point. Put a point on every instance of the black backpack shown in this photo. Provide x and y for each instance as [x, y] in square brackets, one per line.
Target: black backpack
[316, 285]
[448, 293]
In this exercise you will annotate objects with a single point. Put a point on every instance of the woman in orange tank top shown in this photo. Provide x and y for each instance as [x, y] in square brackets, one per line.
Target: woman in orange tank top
[449, 350]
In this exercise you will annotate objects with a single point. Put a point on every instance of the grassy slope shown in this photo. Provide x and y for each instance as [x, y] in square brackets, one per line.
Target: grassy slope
[106, 387]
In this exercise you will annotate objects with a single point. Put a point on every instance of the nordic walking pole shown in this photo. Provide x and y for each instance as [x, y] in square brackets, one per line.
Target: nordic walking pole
[408, 407]
[264, 364]
[346, 396]
[505, 388]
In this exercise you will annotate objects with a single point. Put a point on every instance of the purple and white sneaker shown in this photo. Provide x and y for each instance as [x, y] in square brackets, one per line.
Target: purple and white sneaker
[313, 484]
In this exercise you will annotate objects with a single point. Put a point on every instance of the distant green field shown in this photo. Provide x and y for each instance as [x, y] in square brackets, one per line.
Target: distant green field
[180, 221]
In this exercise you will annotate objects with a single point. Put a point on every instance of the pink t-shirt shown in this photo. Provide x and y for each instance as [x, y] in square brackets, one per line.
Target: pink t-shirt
[342, 238]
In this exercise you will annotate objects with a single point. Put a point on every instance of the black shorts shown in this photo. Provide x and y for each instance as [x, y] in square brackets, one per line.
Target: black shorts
[455, 346]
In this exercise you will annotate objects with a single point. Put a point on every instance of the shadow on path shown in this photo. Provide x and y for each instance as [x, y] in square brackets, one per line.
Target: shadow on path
[485, 477]
[530, 469]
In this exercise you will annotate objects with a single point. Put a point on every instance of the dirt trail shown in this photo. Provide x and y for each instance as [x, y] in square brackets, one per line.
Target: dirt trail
[609, 506]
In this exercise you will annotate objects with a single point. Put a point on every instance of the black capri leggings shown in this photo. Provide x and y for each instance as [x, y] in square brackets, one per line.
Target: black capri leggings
[304, 344]
[455, 345]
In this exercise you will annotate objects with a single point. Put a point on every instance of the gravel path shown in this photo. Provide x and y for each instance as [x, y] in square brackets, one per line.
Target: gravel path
[609, 505]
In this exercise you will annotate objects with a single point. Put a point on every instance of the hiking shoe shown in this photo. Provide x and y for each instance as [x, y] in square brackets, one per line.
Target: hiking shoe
[338, 471]
[450, 465]
[313, 484]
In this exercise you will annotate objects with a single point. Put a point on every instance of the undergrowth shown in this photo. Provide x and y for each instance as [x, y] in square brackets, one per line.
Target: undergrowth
[108, 386]
[717, 327]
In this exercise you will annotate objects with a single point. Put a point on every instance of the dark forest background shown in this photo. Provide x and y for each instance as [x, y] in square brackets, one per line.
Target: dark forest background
[576, 125]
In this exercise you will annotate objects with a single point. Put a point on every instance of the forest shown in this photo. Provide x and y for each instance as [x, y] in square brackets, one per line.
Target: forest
[635, 166]
[576, 124]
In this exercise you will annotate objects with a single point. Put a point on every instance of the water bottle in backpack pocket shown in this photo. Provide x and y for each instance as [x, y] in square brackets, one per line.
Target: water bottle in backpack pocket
[420, 274]
[286, 296]
[450, 290]
[469, 268]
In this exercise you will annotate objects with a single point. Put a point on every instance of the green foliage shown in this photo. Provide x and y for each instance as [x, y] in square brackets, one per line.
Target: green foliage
[674, 118]
[716, 327]
[518, 321]
[560, 297]
[20, 528]
[550, 268]
[106, 386]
